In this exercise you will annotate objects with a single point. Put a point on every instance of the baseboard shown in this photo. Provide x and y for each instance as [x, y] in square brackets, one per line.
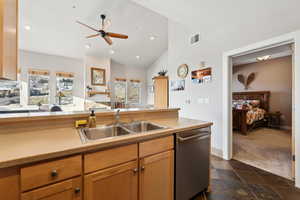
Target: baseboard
[217, 152]
[288, 128]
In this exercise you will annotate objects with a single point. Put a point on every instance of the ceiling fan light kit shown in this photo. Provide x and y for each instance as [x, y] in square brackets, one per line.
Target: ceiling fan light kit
[105, 35]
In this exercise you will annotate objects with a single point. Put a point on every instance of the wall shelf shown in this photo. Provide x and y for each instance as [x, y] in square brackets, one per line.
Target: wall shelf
[93, 93]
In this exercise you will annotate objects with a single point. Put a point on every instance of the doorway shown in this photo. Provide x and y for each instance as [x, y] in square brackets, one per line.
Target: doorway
[262, 109]
[227, 95]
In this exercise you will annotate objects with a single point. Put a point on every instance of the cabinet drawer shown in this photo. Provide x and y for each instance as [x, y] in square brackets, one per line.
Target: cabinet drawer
[66, 190]
[108, 158]
[50, 172]
[156, 146]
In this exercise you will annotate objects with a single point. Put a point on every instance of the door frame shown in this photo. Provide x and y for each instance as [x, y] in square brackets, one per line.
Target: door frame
[290, 38]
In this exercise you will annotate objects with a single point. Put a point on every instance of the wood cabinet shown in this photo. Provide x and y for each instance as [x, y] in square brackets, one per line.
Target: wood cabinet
[50, 172]
[161, 92]
[9, 184]
[111, 157]
[157, 176]
[66, 190]
[156, 146]
[120, 182]
[140, 171]
[148, 177]
[8, 39]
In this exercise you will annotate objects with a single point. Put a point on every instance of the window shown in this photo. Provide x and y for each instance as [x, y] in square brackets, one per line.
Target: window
[120, 90]
[9, 93]
[64, 88]
[134, 92]
[38, 87]
[127, 92]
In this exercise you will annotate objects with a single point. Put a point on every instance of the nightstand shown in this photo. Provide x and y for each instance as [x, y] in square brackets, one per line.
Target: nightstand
[274, 119]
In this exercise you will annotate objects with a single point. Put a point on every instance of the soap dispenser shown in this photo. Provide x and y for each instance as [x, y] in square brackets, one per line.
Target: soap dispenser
[92, 120]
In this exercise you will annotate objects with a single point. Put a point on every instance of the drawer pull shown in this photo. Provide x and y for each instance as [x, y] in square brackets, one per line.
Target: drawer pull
[77, 190]
[54, 173]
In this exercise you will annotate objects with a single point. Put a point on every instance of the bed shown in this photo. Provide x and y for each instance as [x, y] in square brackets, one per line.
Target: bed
[247, 117]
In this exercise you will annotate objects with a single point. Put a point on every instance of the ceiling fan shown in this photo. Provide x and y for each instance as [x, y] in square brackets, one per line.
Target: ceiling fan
[105, 35]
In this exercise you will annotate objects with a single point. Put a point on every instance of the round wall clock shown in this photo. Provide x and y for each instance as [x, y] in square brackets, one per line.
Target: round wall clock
[183, 71]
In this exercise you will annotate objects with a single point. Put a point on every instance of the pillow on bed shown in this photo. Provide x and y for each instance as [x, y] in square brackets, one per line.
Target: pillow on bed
[239, 104]
[254, 103]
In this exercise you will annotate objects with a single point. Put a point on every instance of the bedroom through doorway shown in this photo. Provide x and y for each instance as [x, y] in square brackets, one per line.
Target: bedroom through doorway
[262, 99]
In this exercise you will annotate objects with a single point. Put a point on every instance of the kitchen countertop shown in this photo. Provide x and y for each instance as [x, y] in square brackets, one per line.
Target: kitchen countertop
[17, 148]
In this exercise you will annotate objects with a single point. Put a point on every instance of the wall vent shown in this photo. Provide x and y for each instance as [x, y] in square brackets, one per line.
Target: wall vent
[195, 39]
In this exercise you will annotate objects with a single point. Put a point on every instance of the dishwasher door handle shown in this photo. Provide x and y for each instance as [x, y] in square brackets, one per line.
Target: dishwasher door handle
[193, 137]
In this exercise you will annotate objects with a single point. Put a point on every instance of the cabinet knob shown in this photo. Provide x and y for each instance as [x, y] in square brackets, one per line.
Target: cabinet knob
[135, 170]
[143, 168]
[77, 190]
[54, 173]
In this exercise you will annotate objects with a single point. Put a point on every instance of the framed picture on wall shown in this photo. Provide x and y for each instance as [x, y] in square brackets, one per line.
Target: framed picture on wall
[98, 76]
[202, 76]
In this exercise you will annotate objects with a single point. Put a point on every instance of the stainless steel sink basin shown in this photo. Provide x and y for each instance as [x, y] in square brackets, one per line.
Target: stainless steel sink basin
[109, 131]
[102, 132]
[142, 126]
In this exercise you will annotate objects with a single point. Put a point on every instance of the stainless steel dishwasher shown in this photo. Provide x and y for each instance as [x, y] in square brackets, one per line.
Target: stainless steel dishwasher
[192, 162]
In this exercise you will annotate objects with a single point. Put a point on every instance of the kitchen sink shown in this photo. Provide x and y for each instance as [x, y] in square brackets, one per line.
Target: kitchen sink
[120, 129]
[102, 132]
[142, 126]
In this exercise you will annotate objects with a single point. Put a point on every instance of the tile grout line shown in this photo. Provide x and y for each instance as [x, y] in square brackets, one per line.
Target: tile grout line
[244, 183]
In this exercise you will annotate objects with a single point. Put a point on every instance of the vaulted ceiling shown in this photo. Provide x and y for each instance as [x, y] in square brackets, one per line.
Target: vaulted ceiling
[221, 17]
[53, 29]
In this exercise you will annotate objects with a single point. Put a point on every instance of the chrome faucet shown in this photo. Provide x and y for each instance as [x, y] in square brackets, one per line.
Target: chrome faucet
[117, 117]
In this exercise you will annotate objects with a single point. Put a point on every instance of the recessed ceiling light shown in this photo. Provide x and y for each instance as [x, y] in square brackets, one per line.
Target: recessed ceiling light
[111, 51]
[263, 58]
[88, 46]
[152, 37]
[27, 27]
[138, 57]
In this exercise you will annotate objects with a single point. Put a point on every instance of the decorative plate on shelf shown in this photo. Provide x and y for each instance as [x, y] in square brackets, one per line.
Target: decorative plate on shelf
[183, 71]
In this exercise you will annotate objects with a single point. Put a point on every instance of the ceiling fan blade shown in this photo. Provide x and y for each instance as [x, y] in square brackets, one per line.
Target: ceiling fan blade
[87, 26]
[95, 35]
[116, 35]
[108, 40]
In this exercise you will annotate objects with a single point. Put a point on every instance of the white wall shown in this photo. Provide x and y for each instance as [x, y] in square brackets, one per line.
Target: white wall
[122, 71]
[103, 63]
[159, 64]
[33, 60]
[210, 50]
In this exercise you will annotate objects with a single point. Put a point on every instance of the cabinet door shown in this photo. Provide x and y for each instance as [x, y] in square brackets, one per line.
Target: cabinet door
[9, 184]
[67, 190]
[8, 38]
[156, 178]
[120, 182]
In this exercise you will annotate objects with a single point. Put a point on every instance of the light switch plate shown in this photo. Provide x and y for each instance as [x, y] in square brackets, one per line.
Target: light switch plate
[206, 100]
[200, 100]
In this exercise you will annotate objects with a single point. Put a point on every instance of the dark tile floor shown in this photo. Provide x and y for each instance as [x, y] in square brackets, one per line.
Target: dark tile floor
[233, 180]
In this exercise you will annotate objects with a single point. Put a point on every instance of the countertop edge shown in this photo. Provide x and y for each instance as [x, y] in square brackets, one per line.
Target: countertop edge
[73, 115]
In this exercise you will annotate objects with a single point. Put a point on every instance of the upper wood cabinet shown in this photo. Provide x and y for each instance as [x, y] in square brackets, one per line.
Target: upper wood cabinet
[161, 92]
[8, 39]
[120, 182]
[157, 177]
